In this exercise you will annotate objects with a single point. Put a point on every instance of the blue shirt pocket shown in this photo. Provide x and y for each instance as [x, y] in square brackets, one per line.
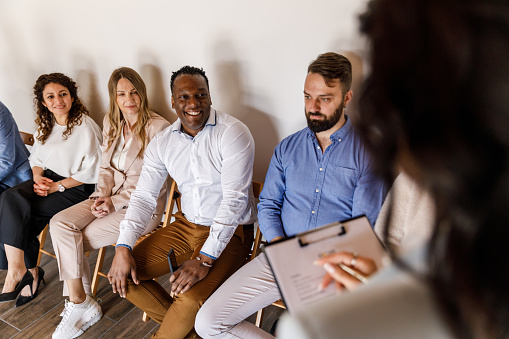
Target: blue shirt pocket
[344, 182]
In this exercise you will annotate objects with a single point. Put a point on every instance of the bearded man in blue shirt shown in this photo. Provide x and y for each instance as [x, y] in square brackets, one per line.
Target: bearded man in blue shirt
[318, 175]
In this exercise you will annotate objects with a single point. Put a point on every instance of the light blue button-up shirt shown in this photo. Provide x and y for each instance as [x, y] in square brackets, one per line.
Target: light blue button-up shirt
[305, 188]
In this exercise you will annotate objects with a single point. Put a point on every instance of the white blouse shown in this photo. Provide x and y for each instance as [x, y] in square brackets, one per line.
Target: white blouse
[120, 154]
[78, 156]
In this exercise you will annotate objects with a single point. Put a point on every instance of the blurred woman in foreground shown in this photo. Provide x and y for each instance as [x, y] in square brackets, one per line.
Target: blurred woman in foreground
[436, 104]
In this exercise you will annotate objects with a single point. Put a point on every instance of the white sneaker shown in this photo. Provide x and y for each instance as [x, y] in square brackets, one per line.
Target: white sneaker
[77, 318]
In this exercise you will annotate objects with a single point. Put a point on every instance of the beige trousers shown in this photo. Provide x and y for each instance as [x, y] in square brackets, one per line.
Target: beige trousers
[76, 230]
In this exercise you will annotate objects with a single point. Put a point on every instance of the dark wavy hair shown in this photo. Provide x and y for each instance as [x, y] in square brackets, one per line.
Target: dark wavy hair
[436, 103]
[189, 70]
[45, 119]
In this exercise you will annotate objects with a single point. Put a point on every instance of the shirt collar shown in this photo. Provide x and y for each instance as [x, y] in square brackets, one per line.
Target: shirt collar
[211, 121]
[339, 134]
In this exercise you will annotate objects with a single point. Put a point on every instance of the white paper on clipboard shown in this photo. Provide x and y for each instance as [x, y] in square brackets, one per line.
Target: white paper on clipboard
[291, 260]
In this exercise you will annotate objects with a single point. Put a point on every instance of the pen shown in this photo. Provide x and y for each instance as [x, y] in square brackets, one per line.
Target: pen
[353, 273]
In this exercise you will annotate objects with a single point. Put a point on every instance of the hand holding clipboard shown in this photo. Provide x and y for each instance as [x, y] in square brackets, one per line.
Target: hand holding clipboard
[292, 260]
[346, 270]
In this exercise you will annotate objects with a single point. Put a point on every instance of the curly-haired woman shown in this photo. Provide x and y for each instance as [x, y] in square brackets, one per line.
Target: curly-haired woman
[65, 162]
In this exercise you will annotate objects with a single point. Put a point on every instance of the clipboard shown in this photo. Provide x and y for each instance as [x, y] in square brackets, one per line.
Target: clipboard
[291, 259]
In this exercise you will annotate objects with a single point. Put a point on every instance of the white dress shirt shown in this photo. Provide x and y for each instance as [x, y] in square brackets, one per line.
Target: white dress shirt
[213, 171]
[78, 156]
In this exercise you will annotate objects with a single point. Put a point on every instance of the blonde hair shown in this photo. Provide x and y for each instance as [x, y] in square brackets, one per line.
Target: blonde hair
[115, 116]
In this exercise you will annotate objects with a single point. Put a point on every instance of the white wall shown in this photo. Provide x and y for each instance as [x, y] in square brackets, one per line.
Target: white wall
[255, 53]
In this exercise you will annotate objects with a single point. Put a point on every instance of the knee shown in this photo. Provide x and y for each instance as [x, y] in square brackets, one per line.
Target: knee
[191, 300]
[57, 224]
[208, 322]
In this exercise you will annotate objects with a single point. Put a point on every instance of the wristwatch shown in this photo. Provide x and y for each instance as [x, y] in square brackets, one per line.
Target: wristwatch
[203, 263]
[61, 187]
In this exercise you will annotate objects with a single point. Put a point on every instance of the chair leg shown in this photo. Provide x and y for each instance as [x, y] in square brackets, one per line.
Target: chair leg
[42, 239]
[259, 318]
[98, 268]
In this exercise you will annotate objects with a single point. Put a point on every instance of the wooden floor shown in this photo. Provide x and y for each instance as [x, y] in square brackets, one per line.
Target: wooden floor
[40, 317]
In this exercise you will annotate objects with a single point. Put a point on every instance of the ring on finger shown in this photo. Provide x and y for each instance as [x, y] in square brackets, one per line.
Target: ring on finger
[354, 259]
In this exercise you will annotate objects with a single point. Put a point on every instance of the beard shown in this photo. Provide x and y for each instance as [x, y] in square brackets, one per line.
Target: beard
[317, 126]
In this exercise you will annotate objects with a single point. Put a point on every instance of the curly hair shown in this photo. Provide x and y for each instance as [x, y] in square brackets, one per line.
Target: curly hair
[436, 103]
[45, 119]
[189, 70]
[115, 116]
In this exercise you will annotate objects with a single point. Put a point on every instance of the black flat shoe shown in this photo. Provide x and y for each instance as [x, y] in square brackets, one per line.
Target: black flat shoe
[22, 300]
[27, 279]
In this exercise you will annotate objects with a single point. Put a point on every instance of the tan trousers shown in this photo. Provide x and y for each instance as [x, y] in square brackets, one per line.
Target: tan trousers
[177, 315]
[76, 230]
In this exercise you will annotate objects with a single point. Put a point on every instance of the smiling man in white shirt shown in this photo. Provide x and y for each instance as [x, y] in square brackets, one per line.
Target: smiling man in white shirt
[210, 155]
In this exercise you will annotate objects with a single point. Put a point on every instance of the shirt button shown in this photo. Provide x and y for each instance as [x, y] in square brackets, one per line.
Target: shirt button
[321, 169]
[313, 212]
[317, 190]
[339, 139]
[317, 147]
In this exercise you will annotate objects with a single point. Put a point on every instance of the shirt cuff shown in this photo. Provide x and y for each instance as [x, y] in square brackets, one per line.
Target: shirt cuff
[271, 233]
[219, 237]
[208, 255]
[124, 245]
[127, 237]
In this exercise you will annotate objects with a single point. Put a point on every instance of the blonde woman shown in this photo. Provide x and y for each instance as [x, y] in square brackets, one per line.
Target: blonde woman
[94, 223]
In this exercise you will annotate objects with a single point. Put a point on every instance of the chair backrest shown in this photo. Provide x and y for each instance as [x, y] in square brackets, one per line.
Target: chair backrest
[174, 198]
[27, 138]
[257, 189]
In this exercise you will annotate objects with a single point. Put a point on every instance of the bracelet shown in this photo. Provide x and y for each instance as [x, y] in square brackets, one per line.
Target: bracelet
[203, 263]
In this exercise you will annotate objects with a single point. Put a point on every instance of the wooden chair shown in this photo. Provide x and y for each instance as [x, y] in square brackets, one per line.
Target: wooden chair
[173, 198]
[27, 138]
[257, 189]
[258, 242]
[42, 240]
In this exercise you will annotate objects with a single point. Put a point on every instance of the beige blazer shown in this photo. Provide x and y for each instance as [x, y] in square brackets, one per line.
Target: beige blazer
[120, 184]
